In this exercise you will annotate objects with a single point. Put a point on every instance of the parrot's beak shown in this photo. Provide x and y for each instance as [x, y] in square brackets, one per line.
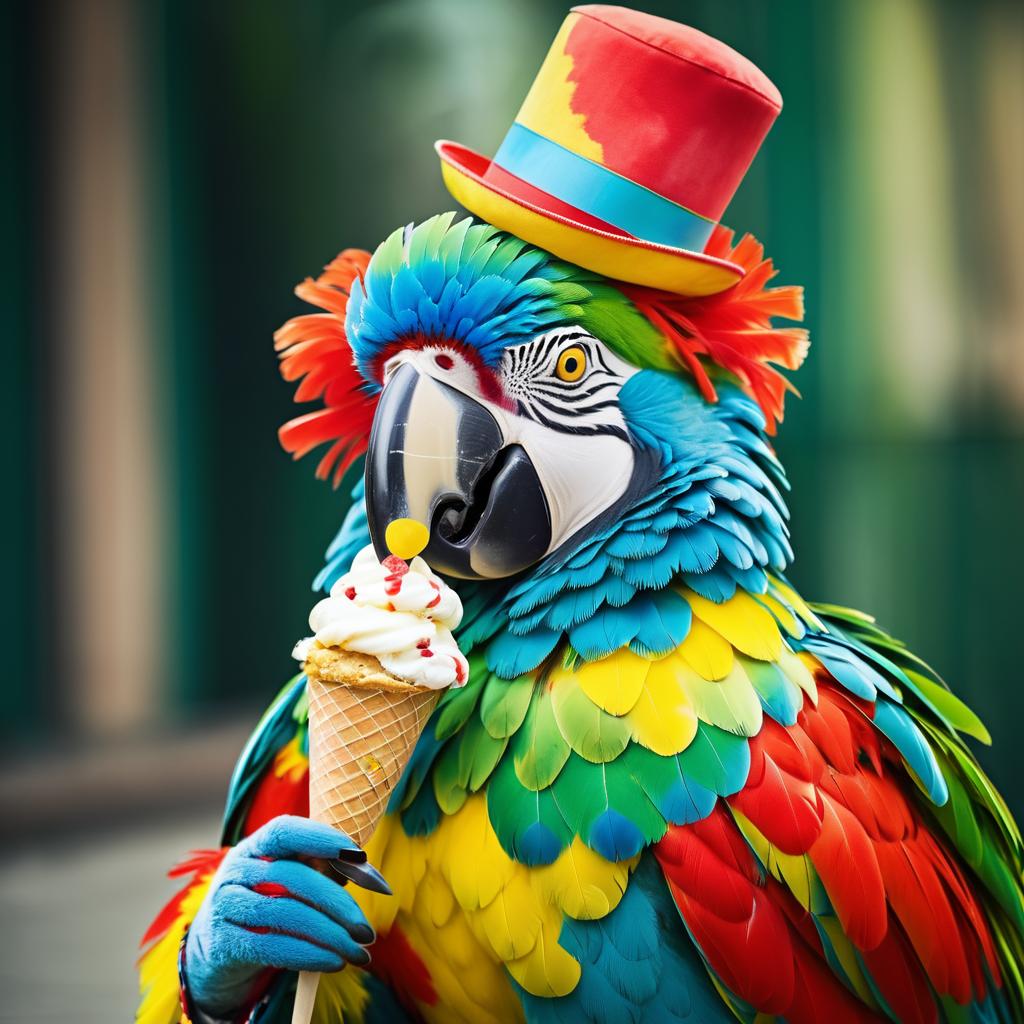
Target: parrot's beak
[437, 456]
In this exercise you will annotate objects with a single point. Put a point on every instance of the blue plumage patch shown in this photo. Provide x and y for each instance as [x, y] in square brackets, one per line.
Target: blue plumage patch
[465, 282]
[716, 520]
[637, 966]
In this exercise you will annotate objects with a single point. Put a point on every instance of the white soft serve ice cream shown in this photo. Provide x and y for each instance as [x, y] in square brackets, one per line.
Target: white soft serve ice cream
[400, 613]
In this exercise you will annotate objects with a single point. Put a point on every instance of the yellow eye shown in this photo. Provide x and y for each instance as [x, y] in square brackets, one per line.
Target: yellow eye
[571, 364]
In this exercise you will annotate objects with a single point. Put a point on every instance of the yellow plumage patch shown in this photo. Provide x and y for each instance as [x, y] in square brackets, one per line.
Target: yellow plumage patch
[663, 718]
[582, 883]
[707, 653]
[291, 762]
[730, 703]
[747, 625]
[158, 966]
[341, 997]
[793, 600]
[796, 671]
[614, 683]
[469, 911]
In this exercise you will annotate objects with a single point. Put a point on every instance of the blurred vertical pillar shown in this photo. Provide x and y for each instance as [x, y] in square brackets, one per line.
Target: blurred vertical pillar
[108, 457]
[1001, 143]
[901, 298]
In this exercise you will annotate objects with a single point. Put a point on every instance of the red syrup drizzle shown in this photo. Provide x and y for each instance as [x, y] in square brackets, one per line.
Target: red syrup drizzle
[460, 672]
[350, 593]
[396, 570]
[437, 598]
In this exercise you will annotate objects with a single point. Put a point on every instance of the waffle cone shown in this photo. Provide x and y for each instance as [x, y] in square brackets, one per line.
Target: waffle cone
[363, 726]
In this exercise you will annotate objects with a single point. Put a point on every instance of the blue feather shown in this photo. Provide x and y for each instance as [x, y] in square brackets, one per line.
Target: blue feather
[897, 725]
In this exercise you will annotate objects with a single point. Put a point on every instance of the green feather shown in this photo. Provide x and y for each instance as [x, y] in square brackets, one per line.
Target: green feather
[466, 764]
[717, 760]
[950, 706]
[539, 750]
[591, 732]
[458, 703]
[517, 815]
[504, 704]
[585, 791]
[449, 790]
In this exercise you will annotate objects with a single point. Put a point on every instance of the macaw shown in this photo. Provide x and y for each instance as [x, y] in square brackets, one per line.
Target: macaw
[671, 789]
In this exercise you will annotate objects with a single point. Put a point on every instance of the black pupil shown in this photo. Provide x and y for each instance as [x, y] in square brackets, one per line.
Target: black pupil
[570, 364]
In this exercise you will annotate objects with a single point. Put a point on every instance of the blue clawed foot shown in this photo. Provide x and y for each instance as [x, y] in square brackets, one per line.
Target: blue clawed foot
[266, 908]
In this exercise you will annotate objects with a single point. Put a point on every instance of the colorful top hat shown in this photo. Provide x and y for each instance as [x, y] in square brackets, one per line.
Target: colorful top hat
[630, 145]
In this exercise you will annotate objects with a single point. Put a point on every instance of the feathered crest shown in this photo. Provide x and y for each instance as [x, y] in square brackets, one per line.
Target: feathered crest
[733, 329]
[314, 347]
[471, 282]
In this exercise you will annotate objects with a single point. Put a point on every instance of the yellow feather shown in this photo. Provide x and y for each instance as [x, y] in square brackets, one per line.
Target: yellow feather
[707, 652]
[848, 959]
[615, 682]
[341, 997]
[158, 967]
[663, 719]
[731, 703]
[582, 883]
[290, 761]
[786, 593]
[439, 903]
[514, 920]
[548, 970]
[783, 614]
[402, 861]
[793, 870]
[472, 858]
[470, 983]
[747, 625]
[797, 672]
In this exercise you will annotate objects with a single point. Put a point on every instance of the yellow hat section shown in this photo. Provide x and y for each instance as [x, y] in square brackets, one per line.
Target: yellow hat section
[547, 109]
[673, 271]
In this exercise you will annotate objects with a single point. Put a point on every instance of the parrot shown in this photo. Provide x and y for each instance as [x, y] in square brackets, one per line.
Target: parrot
[671, 788]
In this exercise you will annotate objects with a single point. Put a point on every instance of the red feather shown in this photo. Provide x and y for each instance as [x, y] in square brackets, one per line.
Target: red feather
[399, 966]
[314, 350]
[899, 978]
[761, 956]
[833, 789]
[734, 328]
[287, 794]
[200, 865]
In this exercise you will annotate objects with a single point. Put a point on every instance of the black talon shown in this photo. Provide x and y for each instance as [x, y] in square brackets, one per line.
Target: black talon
[352, 856]
[366, 876]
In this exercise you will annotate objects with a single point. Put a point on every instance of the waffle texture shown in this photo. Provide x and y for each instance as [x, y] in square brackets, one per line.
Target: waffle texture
[361, 737]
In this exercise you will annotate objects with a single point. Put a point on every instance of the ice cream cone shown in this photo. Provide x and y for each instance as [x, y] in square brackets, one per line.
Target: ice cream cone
[363, 726]
[365, 719]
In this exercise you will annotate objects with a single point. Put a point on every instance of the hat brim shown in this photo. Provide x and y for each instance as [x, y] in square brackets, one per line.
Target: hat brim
[546, 222]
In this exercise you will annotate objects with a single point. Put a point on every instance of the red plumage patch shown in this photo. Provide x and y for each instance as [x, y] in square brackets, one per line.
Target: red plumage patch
[276, 795]
[399, 966]
[830, 788]
[200, 865]
[314, 348]
[734, 328]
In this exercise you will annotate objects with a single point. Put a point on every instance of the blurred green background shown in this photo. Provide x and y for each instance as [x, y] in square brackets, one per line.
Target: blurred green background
[174, 169]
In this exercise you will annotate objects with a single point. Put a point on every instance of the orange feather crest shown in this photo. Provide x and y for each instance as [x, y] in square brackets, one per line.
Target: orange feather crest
[733, 329]
[314, 347]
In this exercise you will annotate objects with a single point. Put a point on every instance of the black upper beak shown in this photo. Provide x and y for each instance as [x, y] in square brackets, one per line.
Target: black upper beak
[438, 456]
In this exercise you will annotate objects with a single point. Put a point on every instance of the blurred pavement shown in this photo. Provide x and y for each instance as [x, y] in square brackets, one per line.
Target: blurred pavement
[73, 914]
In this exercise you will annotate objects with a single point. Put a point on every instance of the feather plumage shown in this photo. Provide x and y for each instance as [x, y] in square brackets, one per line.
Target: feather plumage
[670, 789]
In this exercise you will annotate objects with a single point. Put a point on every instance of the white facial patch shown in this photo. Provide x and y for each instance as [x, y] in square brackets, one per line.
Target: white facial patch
[565, 384]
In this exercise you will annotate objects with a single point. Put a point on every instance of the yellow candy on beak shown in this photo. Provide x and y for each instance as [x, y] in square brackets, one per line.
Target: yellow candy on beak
[406, 538]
